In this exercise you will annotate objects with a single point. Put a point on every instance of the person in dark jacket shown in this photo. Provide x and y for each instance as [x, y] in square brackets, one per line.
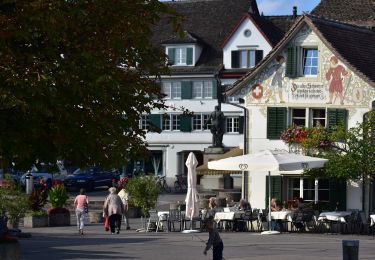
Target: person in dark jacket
[214, 241]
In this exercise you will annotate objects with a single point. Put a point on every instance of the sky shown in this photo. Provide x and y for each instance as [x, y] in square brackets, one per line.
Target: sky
[285, 7]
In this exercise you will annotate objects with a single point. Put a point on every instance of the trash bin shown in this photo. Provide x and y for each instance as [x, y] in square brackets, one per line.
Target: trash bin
[228, 181]
[29, 183]
[350, 249]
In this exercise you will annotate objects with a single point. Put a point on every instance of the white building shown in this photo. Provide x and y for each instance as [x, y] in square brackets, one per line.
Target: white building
[322, 71]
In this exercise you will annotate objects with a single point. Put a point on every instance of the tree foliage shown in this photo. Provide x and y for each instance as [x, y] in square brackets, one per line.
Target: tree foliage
[351, 152]
[69, 86]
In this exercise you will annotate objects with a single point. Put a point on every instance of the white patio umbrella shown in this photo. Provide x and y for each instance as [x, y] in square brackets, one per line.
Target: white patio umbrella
[269, 161]
[192, 207]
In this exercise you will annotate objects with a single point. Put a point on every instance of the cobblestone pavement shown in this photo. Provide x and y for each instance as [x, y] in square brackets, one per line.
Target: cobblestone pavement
[65, 243]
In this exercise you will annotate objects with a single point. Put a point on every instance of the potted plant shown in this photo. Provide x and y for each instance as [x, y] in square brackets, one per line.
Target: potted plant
[37, 217]
[14, 203]
[143, 193]
[58, 215]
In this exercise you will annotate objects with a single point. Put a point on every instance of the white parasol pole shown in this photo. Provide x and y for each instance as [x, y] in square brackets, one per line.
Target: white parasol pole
[269, 231]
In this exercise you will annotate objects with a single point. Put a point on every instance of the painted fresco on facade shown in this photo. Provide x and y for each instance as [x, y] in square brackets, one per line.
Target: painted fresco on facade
[334, 85]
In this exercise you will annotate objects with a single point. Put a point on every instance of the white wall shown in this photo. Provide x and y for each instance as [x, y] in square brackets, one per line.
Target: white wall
[238, 41]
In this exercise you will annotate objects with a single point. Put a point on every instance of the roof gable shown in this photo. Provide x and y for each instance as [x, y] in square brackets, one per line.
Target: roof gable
[268, 30]
[207, 21]
[351, 44]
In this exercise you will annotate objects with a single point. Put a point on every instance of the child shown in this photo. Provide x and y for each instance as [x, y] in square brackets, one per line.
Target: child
[214, 241]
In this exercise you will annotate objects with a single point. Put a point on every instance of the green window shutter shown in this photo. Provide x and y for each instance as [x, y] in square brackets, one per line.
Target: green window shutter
[276, 188]
[258, 56]
[291, 62]
[235, 59]
[185, 121]
[337, 117]
[171, 55]
[214, 89]
[337, 194]
[189, 56]
[241, 122]
[276, 121]
[186, 89]
[154, 122]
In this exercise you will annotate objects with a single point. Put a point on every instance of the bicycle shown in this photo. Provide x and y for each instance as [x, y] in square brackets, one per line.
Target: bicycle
[162, 184]
[180, 184]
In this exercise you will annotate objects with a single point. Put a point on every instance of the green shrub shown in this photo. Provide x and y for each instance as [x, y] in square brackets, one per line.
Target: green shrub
[143, 192]
[58, 196]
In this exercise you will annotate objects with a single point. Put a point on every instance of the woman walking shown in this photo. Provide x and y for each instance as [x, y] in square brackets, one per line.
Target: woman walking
[114, 209]
[81, 202]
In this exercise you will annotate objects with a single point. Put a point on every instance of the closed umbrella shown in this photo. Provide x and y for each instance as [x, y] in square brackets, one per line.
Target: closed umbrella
[270, 161]
[192, 207]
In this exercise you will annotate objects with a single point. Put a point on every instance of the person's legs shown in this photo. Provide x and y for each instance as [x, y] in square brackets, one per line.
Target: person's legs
[78, 215]
[217, 253]
[118, 222]
[82, 220]
[126, 219]
[112, 223]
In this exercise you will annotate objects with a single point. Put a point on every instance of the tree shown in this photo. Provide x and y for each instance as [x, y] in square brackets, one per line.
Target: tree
[351, 152]
[75, 77]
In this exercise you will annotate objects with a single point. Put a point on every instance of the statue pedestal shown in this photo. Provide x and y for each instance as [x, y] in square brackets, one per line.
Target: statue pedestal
[210, 182]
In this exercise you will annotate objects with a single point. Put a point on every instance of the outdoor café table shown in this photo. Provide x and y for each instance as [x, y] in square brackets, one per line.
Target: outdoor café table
[334, 216]
[227, 216]
[283, 215]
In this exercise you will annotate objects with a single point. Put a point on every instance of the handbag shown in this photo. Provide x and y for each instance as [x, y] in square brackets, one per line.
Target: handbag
[86, 208]
[106, 223]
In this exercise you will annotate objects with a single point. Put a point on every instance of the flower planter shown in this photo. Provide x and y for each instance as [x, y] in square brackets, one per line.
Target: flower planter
[59, 217]
[35, 221]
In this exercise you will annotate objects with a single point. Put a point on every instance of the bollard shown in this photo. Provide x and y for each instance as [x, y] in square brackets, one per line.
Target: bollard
[350, 249]
[29, 183]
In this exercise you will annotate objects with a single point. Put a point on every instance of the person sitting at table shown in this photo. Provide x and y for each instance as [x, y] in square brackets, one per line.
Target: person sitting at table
[211, 207]
[244, 205]
[276, 206]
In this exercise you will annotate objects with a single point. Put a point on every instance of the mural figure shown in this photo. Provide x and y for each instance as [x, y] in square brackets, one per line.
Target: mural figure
[277, 79]
[334, 76]
[217, 120]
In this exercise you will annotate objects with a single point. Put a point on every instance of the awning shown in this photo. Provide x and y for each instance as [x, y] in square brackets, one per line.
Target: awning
[203, 169]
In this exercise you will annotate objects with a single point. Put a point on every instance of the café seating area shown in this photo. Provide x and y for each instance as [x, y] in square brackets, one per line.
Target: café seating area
[232, 219]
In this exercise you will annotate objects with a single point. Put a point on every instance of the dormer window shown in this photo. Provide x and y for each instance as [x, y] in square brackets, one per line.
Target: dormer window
[180, 56]
[246, 58]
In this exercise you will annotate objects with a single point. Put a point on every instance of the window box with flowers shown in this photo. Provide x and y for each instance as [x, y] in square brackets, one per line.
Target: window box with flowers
[303, 140]
[58, 215]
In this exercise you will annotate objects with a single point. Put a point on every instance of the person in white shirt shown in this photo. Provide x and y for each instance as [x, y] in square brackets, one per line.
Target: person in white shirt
[125, 199]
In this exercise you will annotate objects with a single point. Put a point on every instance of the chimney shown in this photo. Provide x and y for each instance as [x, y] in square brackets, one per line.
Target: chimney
[294, 11]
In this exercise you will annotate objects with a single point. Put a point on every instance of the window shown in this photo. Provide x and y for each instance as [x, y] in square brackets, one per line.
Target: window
[301, 62]
[309, 189]
[143, 122]
[299, 117]
[318, 117]
[172, 90]
[202, 89]
[198, 122]
[180, 56]
[233, 125]
[205, 119]
[310, 62]
[246, 58]
[171, 122]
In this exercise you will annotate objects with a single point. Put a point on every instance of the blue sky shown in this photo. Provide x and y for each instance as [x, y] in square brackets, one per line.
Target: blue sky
[285, 7]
